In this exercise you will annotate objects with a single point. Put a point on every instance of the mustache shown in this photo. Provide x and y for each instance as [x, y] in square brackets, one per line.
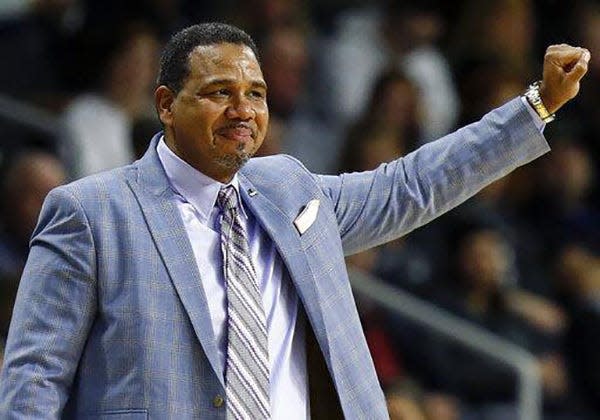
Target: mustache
[239, 124]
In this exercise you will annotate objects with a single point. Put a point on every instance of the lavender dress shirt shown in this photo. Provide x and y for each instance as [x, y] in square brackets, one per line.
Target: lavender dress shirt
[196, 196]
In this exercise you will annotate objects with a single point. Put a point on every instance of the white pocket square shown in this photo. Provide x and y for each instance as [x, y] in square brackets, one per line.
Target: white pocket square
[307, 216]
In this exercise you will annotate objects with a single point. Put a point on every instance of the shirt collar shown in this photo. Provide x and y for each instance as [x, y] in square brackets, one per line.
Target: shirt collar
[193, 186]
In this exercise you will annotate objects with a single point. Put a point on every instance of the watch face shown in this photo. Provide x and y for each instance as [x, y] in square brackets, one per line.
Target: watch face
[533, 95]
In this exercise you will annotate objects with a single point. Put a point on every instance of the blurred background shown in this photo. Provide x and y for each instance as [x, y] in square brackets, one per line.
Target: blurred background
[352, 85]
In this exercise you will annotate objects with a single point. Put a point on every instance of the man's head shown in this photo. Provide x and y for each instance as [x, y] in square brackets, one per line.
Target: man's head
[175, 59]
[211, 98]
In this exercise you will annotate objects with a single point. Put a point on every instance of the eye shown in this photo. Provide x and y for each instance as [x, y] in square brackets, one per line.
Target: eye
[257, 94]
[215, 93]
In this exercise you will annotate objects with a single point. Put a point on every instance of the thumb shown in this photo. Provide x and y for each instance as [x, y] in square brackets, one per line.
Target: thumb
[580, 67]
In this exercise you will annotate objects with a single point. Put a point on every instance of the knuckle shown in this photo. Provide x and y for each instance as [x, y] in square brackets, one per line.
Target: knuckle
[554, 49]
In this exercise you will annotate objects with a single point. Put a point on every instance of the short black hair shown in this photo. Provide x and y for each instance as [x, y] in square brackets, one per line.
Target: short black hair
[174, 61]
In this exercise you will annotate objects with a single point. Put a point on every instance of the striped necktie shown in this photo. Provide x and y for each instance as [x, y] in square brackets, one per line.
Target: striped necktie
[247, 370]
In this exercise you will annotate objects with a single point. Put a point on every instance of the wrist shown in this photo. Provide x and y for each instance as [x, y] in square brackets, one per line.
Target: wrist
[534, 96]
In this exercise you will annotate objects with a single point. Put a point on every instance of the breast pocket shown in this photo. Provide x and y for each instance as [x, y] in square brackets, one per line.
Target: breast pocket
[314, 234]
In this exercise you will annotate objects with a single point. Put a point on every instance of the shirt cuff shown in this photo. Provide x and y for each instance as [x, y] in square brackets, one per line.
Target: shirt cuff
[537, 120]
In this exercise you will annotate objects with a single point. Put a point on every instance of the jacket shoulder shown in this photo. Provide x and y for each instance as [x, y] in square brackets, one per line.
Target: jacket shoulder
[104, 186]
[275, 167]
[283, 179]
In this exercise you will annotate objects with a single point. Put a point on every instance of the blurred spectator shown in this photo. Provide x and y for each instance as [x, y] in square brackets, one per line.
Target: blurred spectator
[165, 16]
[33, 40]
[260, 17]
[373, 140]
[486, 83]
[34, 35]
[585, 111]
[285, 62]
[25, 184]
[306, 134]
[498, 205]
[413, 31]
[501, 30]
[561, 211]
[579, 275]
[406, 399]
[386, 130]
[388, 127]
[98, 124]
[481, 293]
[402, 262]
[398, 34]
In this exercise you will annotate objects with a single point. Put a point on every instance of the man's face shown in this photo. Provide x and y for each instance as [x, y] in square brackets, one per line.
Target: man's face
[219, 118]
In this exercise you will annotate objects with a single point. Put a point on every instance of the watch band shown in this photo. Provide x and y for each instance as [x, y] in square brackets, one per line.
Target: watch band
[532, 94]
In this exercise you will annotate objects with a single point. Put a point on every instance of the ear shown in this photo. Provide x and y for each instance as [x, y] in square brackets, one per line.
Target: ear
[163, 100]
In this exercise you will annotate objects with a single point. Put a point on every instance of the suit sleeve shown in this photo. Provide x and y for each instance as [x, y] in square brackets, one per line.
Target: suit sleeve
[377, 206]
[54, 310]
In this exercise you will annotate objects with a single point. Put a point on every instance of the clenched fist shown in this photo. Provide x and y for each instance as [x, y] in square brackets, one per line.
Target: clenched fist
[564, 66]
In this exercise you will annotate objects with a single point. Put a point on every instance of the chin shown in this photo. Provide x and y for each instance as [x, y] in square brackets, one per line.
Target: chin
[234, 161]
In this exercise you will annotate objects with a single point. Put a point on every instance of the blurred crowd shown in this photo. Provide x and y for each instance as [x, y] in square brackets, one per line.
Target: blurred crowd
[353, 84]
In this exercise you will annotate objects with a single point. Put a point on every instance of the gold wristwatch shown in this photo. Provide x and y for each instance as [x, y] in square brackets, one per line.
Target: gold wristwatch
[532, 94]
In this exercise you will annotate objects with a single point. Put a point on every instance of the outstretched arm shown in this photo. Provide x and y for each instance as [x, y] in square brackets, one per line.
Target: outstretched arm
[377, 206]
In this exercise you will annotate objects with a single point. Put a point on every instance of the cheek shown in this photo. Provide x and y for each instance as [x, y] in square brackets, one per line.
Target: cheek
[262, 120]
[198, 128]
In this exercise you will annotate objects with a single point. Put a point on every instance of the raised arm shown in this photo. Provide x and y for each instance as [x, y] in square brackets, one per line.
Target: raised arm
[377, 206]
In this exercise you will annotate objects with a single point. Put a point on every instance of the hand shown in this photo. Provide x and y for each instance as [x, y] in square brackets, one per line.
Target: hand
[564, 66]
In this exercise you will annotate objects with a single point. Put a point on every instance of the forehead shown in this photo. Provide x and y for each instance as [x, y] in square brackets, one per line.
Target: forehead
[224, 59]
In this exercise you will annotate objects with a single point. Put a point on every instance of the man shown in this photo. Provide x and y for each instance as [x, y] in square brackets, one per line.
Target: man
[131, 304]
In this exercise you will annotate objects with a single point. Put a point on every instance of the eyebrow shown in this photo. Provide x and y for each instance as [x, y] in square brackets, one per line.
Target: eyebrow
[224, 81]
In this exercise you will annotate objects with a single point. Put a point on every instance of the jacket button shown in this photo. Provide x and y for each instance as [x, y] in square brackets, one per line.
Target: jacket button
[218, 401]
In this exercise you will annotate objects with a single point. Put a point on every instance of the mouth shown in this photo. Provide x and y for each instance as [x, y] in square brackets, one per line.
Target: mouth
[242, 133]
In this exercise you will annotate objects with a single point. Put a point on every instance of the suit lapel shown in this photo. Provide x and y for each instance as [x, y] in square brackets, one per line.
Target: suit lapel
[166, 227]
[280, 229]
[154, 194]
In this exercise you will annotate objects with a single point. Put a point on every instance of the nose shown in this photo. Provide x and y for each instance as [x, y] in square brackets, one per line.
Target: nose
[240, 108]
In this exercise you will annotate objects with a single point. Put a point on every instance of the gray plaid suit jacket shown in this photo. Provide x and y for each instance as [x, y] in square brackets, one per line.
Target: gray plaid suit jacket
[110, 319]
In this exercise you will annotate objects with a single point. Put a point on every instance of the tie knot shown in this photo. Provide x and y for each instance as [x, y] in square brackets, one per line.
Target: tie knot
[227, 198]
